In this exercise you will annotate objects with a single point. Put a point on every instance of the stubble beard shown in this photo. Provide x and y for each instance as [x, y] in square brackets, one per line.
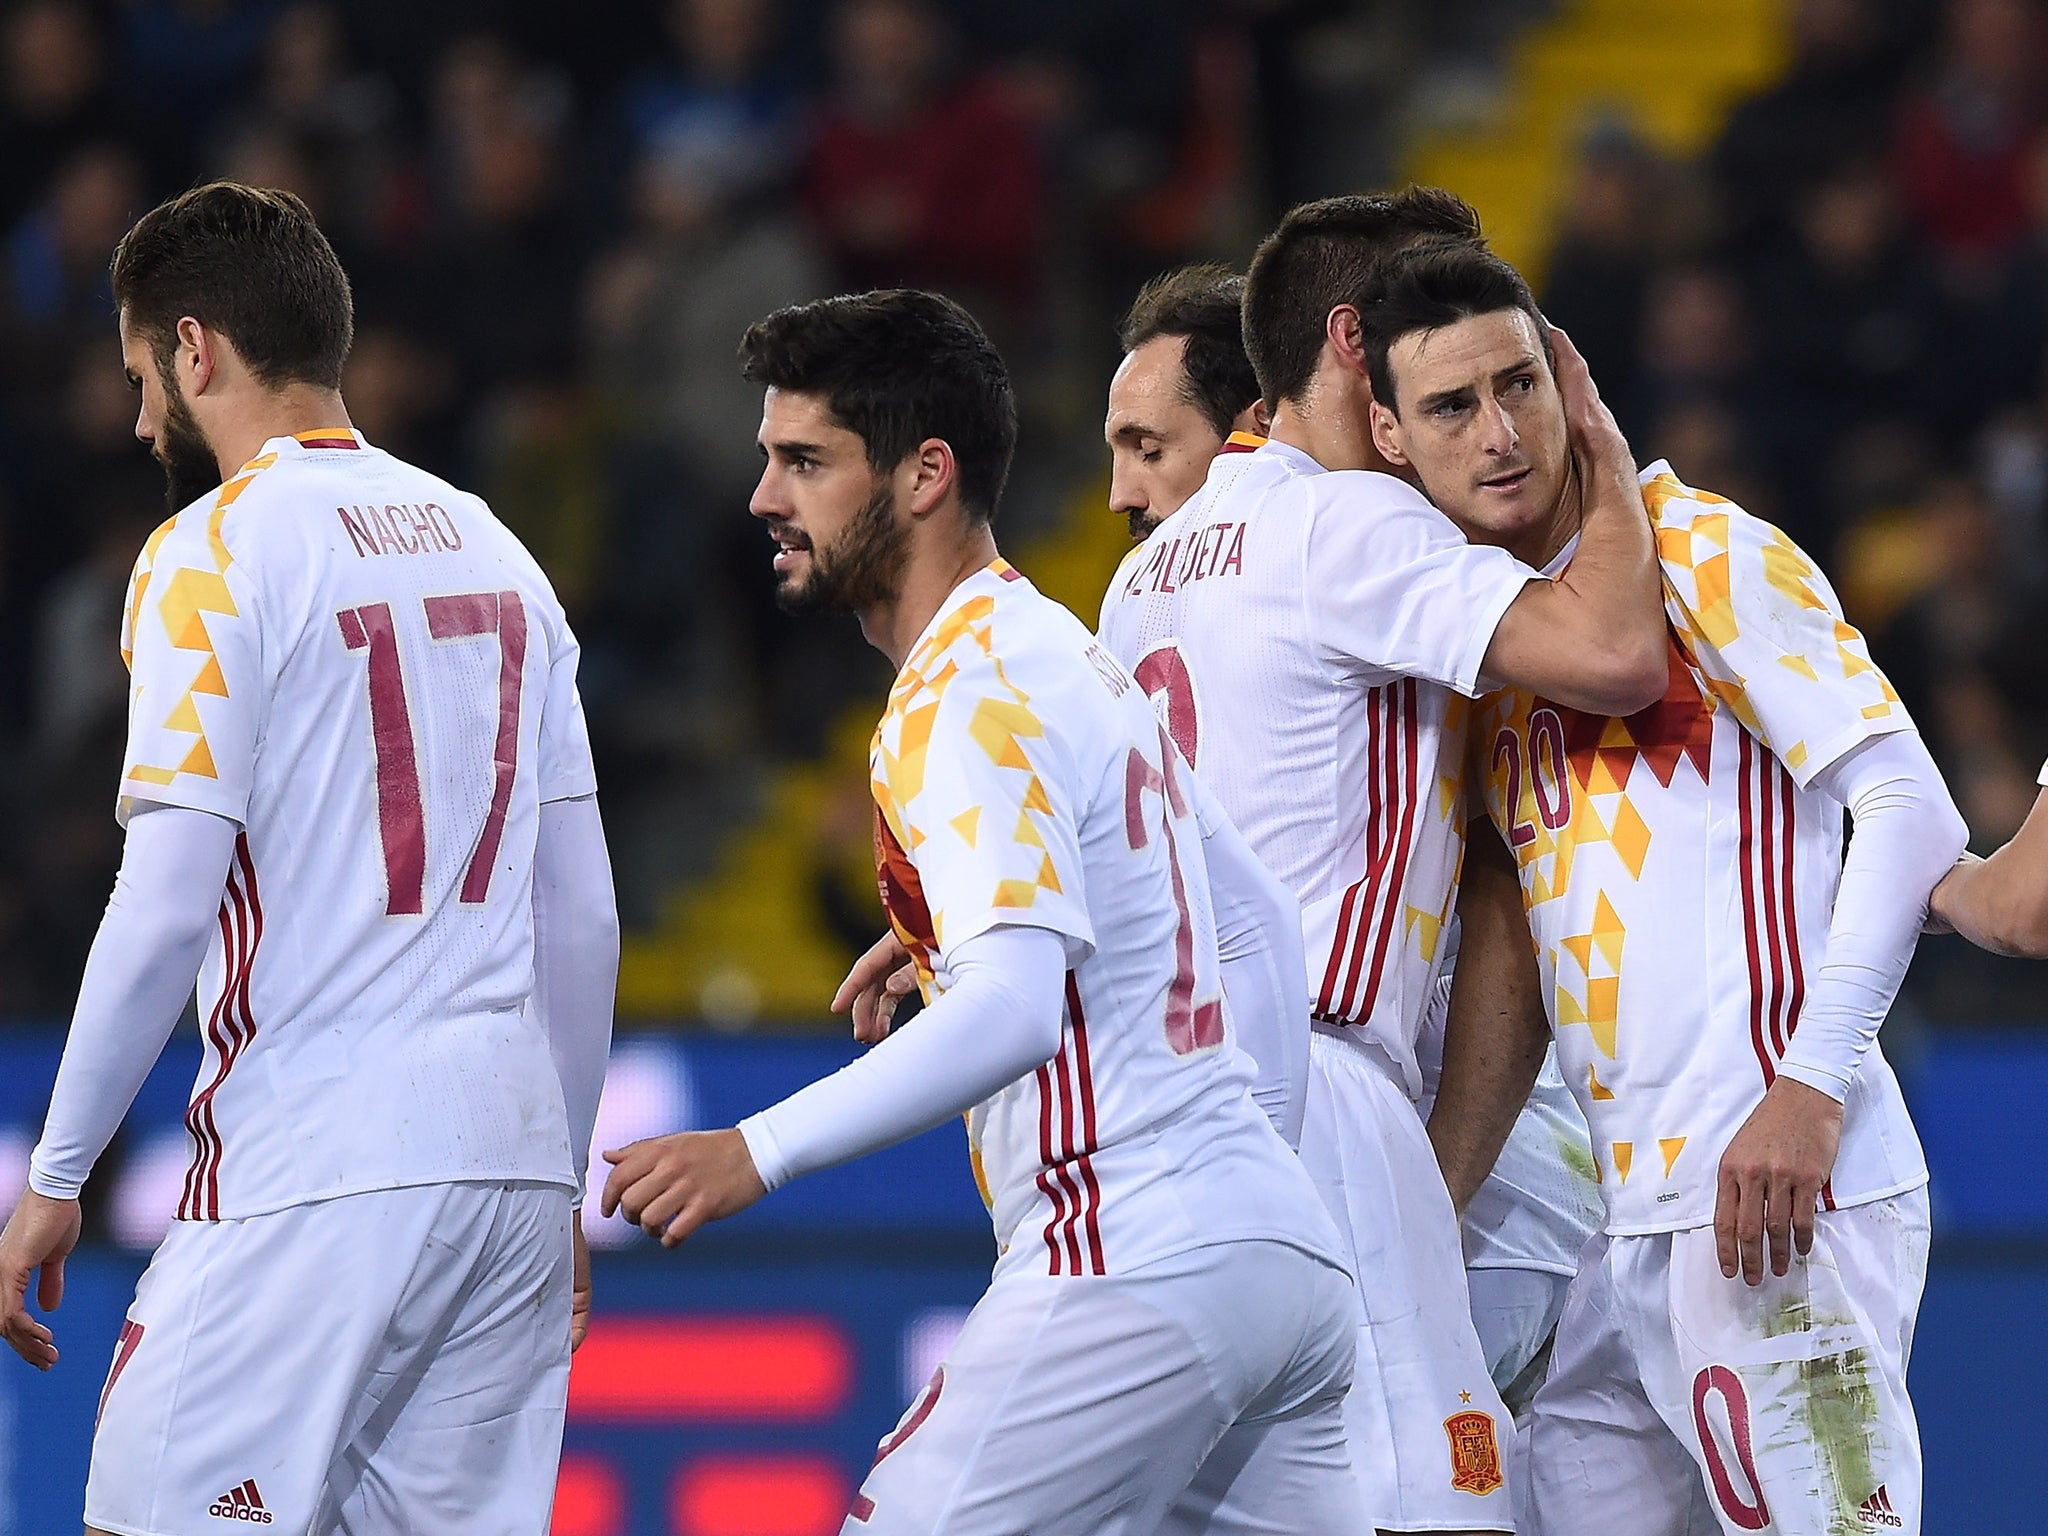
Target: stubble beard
[859, 569]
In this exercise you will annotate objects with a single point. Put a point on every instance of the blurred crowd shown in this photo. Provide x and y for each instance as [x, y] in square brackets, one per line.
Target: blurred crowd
[1839, 317]
[558, 220]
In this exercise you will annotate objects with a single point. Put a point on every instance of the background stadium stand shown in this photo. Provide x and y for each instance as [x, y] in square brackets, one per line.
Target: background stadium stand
[1804, 244]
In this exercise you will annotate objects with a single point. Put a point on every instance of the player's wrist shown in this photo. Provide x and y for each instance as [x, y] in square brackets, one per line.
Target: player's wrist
[1799, 1076]
[763, 1151]
[50, 1186]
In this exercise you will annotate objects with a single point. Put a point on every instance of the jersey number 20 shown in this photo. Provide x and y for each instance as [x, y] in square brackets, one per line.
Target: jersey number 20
[401, 816]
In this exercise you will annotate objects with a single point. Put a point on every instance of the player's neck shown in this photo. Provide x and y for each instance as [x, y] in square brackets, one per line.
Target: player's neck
[1332, 438]
[892, 627]
[239, 431]
[1546, 540]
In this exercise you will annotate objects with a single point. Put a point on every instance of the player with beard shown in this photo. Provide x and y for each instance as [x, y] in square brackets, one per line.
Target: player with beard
[360, 810]
[1734, 1348]
[1042, 855]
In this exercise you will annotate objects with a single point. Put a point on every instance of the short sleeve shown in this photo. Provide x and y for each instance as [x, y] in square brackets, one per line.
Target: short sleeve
[1394, 587]
[192, 636]
[1768, 633]
[2043, 780]
[566, 769]
[987, 806]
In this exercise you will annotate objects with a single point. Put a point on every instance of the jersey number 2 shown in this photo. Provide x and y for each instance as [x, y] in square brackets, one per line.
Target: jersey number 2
[401, 814]
[1549, 775]
[1191, 1025]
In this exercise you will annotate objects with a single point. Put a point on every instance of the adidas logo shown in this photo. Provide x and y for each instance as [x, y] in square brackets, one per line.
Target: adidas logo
[1877, 1509]
[245, 1503]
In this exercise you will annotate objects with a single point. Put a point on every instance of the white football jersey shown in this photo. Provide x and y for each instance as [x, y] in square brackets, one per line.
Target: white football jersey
[1679, 868]
[1021, 777]
[363, 667]
[1310, 634]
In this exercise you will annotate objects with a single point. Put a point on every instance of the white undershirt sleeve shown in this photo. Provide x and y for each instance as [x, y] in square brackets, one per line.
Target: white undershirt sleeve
[1258, 939]
[1001, 1017]
[1907, 834]
[144, 962]
[575, 959]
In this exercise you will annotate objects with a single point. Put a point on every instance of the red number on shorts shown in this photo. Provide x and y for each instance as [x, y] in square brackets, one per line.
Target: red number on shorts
[401, 821]
[1549, 775]
[401, 815]
[1719, 1380]
[920, 1410]
[1191, 1026]
[1163, 673]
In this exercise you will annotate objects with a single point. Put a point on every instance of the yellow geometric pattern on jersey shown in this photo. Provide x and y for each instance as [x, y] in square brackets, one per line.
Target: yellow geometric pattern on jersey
[999, 725]
[188, 596]
[1521, 760]
[1696, 559]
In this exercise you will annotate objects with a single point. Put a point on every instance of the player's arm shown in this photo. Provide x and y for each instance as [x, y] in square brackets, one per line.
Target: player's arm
[142, 966]
[1806, 684]
[1000, 1019]
[1496, 1032]
[575, 979]
[2001, 903]
[1258, 940]
[1392, 585]
[1593, 638]
[1003, 1011]
[1907, 833]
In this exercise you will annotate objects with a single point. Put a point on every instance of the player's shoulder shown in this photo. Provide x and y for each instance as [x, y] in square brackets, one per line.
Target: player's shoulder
[1696, 526]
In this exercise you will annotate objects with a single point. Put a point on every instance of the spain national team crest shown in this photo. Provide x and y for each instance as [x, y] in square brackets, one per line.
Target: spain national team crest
[1475, 1453]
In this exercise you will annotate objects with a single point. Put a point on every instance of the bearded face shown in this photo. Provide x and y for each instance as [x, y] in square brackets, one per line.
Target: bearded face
[190, 468]
[861, 565]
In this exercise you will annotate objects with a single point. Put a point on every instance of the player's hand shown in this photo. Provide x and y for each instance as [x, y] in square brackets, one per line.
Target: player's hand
[671, 1185]
[1771, 1176]
[1596, 439]
[1938, 920]
[879, 980]
[40, 1235]
[579, 1286]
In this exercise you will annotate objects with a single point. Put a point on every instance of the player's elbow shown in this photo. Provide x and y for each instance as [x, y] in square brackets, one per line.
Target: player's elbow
[1627, 675]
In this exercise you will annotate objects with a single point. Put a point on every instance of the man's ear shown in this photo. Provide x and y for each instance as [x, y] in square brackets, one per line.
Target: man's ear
[1386, 436]
[933, 475]
[1256, 419]
[1345, 333]
[197, 357]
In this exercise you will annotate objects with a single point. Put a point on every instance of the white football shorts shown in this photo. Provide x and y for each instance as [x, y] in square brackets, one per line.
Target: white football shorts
[1125, 1405]
[1425, 1422]
[1681, 1403]
[390, 1361]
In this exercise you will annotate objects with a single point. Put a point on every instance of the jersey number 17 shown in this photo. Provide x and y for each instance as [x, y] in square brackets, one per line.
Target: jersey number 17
[401, 814]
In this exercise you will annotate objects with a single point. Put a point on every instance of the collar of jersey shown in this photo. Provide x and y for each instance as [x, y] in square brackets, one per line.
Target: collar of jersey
[991, 577]
[317, 440]
[1293, 457]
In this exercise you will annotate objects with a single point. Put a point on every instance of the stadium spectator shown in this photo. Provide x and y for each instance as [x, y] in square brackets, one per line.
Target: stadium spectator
[726, 100]
[53, 97]
[1834, 100]
[1600, 268]
[922, 174]
[1849, 330]
[1964, 138]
